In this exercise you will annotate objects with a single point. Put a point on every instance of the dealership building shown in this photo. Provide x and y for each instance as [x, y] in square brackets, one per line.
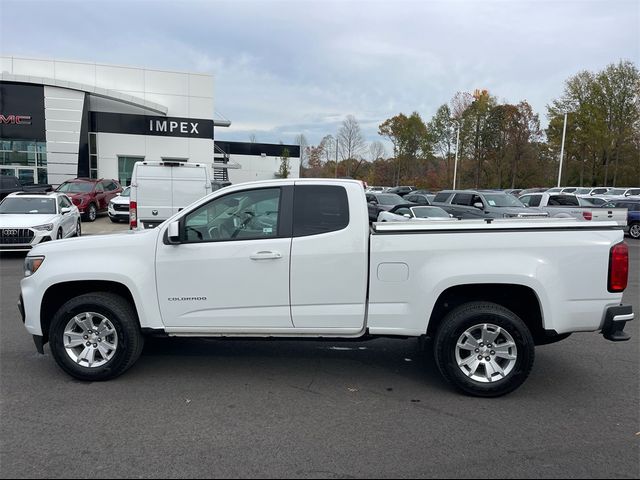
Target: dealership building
[61, 120]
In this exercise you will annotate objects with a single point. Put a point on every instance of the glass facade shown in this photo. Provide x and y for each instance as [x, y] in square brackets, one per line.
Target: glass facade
[26, 159]
[125, 169]
[93, 155]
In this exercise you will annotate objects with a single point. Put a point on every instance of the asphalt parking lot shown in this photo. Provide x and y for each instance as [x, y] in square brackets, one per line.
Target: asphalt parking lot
[237, 408]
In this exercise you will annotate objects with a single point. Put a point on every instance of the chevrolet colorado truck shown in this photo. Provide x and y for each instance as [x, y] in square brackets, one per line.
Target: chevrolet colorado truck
[297, 259]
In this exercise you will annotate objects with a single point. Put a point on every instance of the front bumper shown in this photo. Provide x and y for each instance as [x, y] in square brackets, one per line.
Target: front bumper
[615, 320]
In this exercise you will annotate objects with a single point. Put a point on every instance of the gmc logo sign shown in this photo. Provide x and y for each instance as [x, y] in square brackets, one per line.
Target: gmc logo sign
[15, 119]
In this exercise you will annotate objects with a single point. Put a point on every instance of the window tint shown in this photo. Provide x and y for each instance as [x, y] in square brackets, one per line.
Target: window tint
[99, 188]
[462, 199]
[110, 186]
[563, 201]
[246, 215]
[66, 202]
[531, 200]
[442, 197]
[371, 198]
[634, 191]
[319, 209]
[403, 211]
[599, 191]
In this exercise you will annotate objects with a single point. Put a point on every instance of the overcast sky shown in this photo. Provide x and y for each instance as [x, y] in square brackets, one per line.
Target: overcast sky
[287, 67]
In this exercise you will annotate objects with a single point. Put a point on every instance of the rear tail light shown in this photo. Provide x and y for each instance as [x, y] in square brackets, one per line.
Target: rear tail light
[618, 268]
[587, 215]
[133, 215]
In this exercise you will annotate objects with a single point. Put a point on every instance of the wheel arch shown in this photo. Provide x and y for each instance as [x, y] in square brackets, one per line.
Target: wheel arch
[58, 294]
[520, 299]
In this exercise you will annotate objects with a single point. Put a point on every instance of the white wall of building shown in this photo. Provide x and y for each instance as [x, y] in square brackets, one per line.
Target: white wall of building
[63, 120]
[112, 145]
[183, 94]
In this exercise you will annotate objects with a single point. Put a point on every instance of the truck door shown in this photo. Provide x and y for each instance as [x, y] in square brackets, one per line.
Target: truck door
[231, 270]
[329, 257]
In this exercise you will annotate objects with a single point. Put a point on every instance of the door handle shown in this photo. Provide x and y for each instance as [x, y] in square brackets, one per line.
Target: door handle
[266, 256]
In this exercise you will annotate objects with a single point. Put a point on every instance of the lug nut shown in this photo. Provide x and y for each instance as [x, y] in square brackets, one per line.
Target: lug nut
[479, 357]
[95, 345]
[482, 344]
[477, 349]
[490, 346]
[88, 344]
[492, 352]
[487, 358]
[85, 337]
[99, 339]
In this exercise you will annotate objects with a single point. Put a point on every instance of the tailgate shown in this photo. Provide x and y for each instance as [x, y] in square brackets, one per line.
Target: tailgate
[618, 215]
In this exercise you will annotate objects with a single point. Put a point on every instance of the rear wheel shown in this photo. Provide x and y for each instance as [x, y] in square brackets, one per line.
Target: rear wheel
[634, 230]
[95, 336]
[79, 228]
[484, 349]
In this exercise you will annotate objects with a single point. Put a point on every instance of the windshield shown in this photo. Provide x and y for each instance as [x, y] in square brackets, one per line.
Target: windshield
[72, 187]
[390, 199]
[554, 190]
[617, 191]
[426, 212]
[28, 205]
[583, 191]
[502, 200]
[126, 192]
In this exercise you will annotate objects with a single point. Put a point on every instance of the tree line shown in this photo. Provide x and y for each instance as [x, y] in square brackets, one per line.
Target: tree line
[499, 145]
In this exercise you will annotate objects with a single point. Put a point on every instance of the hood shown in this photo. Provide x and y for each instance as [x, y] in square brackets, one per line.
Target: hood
[96, 243]
[120, 200]
[24, 220]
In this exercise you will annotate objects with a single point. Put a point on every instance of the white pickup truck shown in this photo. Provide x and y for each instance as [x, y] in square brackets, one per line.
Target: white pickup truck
[567, 205]
[297, 258]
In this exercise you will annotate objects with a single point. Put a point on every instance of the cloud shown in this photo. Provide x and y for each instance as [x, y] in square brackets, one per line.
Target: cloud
[284, 67]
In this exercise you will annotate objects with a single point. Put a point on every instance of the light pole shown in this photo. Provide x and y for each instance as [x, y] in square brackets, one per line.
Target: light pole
[455, 164]
[564, 133]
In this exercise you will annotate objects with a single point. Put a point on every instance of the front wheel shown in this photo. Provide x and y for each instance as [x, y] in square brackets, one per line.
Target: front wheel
[484, 349]
[92, 213]
[634, 231]
[95, 336]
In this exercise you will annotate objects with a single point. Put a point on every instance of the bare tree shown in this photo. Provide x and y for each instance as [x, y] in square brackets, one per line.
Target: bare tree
[376, 151]
[351, 143]
[301, 141]
[252, 138]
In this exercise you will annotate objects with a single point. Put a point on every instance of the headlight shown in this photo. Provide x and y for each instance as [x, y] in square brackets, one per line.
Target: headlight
[48, 227]
[31, 265]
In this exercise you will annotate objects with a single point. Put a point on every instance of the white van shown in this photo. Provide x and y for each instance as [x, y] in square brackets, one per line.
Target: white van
[161, 189]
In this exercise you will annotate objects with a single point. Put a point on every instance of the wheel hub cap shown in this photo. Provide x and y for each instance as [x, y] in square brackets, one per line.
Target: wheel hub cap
[90, 339]
[486, 353]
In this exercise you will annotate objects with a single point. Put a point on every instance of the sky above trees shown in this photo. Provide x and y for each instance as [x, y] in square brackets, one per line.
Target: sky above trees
[283, 68]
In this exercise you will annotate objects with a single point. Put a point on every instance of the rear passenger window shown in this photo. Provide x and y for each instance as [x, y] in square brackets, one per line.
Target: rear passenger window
[319, 209]
[563, 200]
[462, 199]
[441, 197]
[534, 201]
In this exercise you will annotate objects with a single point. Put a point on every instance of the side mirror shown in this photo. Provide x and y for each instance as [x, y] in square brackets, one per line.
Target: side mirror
[372, 203]
[478, 205]
[173, 233]
[118, 194]
[406, 215]
[65, 210]
[451, 215]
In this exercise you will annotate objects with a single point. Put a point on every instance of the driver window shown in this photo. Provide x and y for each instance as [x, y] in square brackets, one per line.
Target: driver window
[247, 215]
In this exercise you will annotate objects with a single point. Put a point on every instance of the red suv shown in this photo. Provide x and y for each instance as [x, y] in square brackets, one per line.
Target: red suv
[89, 195]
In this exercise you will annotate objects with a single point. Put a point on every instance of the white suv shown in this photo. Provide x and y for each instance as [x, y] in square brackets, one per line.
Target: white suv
[27, 219]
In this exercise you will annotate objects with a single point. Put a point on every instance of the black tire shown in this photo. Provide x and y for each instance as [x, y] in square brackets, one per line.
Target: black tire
[634, 230]
[59, 234]
[464, 318]
[79, 229]
[114, 220]
[123, 318]
[92, 213]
